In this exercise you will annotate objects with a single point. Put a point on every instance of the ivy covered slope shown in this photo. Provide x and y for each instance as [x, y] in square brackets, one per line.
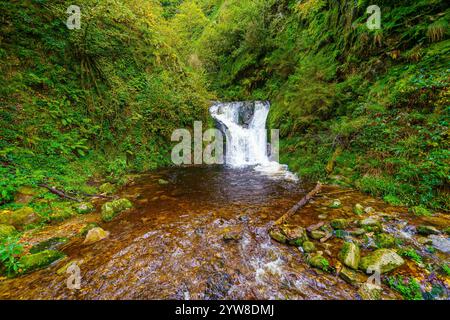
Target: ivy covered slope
[99, 100]
[363, 107]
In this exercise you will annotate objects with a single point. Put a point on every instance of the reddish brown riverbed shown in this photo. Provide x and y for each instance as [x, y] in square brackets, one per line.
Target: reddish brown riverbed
[171, 246]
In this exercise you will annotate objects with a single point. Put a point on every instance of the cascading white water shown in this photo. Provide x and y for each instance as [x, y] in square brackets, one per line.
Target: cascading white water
[244, 125]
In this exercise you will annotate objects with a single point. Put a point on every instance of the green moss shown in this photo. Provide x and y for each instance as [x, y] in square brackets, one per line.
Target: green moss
[384, 240]
[112, 209]
[39, 260]
[52, 243]
[412, 254]
[6, 230]
[421, 211]
[409, 288]
[319, 262]
[339, 224]
[84, 208]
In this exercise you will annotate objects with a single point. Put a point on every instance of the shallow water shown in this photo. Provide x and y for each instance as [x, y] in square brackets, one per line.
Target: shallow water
[171, 246]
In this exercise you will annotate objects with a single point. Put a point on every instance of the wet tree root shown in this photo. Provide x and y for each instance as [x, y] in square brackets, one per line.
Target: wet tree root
[60, 193]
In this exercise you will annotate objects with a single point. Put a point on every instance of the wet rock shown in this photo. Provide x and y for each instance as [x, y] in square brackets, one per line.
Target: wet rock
[277, 235]
[357, 232]
[31, 262]
[112, 209]
[323, 216]
[107, 188]
[339, 224]
[315, 226]
[308, 246]
[62, 212]
[6, 230]
[358, 209]
[369, 210]
[295, 235]
[440, 243]
[319, 262]
[95, 235]
[84, 230]
[447, 231]
[317, 234]
[371, 224]
[244, 218]
[232, 236]
[163, 182]
[384, 240]
[336, 203]
[351, 276]
[424, 241]
[19, 218]
[84, 208]
[50, 244]
[217, 286]
[369, 291]
[350, 255]
[384, 260]
[427, 230]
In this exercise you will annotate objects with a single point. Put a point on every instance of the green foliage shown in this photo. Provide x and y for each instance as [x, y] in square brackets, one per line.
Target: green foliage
[412, 254]
[409, 288]
[10, 249]
[446, 269]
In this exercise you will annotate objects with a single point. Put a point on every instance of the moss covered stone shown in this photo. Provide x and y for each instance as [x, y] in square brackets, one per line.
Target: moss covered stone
[308, 246]
[163, 182]
[95, 235]
[39, 260]
[351, 276]
[335, 204]
[384, 260]
[107, 188]
[84, 208]
[277, 235]
[295, 235]
[19, 218]
[6, 230]
[358, 209]
[339, 224]
[384, 240]
[52, 244]
[84, 230]
[350, 255]
[369, 291]
[112, 209]
[319, 262]
[427, 230]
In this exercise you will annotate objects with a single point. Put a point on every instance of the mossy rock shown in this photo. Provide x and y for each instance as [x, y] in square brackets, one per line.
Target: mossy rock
[317, 234]
[421, 211]
[295, 235]
[61, 213]
[427, 230]
[39, 260]
[25, 194]
[339, 224]
[107, 188]
[447, 231]
[369, 291]
[19, 218]
[350, 255]
[336, 203]
[84, 208]
[95, 235]
[384, 260]
[112, 209]
[371, 224]
[277, 235]
[86, 228]
[358, 209]
[351, 276]
[163, 182]
[319, 262]
[49, 244]
[384, 240]
[6, 230]
[308, 246]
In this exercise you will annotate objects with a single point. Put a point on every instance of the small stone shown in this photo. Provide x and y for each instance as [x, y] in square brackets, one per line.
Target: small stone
[308, 246]
[315, 226]
[339, 224]
[371, 224]
[317, 234]
[232, 236]
[358, 209]
[336, 203]
[163, 182]
[107, 188]
[350, 255]
[427, 230]
[95, 235]
[112, 209]
[424, 241]
[369, 210]
[369, 291]
[440, 243]
[323, 216]
[295, 235]
[319, 262]
[357, 232]
[277, 235]
[384, 260]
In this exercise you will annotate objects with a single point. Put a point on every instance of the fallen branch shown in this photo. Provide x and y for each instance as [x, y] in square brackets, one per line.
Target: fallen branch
[299, 204]
[60, 193]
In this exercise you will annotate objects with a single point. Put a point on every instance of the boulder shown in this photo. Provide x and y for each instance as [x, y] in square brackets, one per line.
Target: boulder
[31, 262]
[427, 230]
[369, 291]
[350, 255]
[339, 224]
[95, 235]
[84, 208]
[19, 218]
[358, 209]
[384, 260]
[6, 230]
[112, 209]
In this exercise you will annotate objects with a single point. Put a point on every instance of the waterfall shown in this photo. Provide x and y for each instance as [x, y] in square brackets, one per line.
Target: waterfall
[244, 125]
